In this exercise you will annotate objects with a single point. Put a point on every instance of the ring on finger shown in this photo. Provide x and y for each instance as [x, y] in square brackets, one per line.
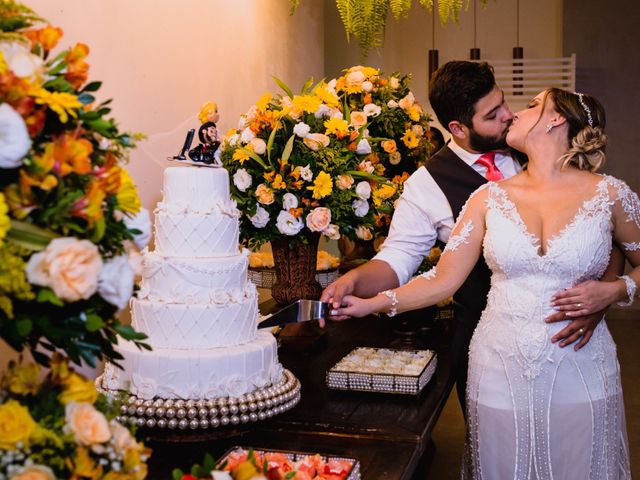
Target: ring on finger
[581, 331]
[578, 305]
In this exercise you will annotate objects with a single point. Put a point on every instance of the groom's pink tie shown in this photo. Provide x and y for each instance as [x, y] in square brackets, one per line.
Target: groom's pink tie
[488, 160]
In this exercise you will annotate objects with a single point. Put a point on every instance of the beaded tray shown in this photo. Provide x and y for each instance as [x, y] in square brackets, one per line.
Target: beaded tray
[352, 474]
[383, 370]
[266, 277]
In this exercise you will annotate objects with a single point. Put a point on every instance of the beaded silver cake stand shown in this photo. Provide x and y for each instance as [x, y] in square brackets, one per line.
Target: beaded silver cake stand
[200, 416]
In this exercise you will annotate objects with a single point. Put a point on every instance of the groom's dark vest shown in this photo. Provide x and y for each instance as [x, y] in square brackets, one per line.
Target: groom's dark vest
[458, 181]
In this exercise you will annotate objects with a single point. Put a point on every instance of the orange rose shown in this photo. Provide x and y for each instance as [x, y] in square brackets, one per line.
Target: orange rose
[358, 119]
[264, 194]
[87, 424]
[34, 472]
[344, 182]
[389, 146]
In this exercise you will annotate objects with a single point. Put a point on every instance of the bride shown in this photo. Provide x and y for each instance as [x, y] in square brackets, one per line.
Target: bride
[536, 411]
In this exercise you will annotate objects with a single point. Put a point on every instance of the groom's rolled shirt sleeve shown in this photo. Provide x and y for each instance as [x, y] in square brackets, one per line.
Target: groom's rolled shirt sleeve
[421, 217]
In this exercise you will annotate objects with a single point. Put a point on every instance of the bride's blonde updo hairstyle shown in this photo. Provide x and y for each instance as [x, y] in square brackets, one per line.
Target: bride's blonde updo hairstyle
[586, 119]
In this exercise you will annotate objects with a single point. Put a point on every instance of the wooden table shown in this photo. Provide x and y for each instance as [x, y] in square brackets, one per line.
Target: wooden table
[389, 434]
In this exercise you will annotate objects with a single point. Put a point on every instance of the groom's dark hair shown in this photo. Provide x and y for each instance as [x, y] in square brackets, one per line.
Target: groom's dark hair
[456, 87]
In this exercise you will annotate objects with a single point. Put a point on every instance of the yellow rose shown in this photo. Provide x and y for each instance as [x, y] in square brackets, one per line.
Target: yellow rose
[84, 466]
[59, 367]
[34, 472]
[87, 424]
[16, 425]
[23, 380]
[76, 388]
[133, 463]
[264, 194]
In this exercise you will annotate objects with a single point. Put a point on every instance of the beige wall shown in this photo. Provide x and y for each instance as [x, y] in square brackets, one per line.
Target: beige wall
[409, 40]
[161, 59]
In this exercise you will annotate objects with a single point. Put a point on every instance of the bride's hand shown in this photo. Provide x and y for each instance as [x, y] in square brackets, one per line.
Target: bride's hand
[353, 307]
[588, 297]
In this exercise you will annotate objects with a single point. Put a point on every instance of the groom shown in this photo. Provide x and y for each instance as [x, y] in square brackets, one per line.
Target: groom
[469, 104]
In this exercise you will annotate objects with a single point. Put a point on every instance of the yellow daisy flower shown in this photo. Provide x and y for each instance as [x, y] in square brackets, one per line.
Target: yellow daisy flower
[306, 103]
[383, 193]
[128, 199]
[322, 186]
[410, 139]
[325, 95]
[264, 101]
[64, 104]
[337, 126]
[5, 223]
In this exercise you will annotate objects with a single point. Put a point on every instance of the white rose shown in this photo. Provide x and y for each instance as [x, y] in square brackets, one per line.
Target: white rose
[306, 173]
[335, 113]
[332, 232]
[363, 233]
[249, 116]
[259, 145]
[14, 137]
[247, 135]
[418, 130]
[361, 207]
[367, 86]
[288, 224]
[394, 82]
[322, 111]
[319, 219]
[220, 475]
[233, 139]
[261, 218]
[392, 104]
[242, 179]
[115, 283]
[141, 222]
[20, 60]
[331, 86]
[301, 129]
[363, 147]
[289, 201]
[363, 190]
[372, 110]
[366, 166]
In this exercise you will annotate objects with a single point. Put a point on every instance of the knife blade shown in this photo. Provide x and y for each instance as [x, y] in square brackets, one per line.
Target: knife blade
[300, 311]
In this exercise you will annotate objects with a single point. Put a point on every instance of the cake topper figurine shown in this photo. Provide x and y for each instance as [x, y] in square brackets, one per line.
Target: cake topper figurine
[205, 153]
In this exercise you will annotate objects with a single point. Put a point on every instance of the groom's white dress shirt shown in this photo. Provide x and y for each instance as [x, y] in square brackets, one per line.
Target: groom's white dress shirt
[423, 215]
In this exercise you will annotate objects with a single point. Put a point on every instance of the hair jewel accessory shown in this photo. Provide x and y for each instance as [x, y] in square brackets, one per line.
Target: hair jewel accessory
[586, 109]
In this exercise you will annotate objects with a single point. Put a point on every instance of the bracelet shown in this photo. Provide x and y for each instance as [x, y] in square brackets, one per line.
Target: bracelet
[631, 290]
[394, 302]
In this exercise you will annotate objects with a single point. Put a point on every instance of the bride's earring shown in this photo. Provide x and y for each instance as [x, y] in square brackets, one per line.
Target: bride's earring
[549, 127]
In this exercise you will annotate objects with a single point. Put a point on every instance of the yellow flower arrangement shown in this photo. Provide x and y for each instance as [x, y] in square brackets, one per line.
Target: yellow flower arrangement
[70, 431]
[61, 158]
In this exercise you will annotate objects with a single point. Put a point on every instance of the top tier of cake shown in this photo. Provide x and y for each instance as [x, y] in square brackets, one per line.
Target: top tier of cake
[196, 218]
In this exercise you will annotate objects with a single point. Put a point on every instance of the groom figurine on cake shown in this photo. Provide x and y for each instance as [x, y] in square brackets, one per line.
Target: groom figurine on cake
[469, 104]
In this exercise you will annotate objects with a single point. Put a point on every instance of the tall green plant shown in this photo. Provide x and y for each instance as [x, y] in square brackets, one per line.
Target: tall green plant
[366, 19]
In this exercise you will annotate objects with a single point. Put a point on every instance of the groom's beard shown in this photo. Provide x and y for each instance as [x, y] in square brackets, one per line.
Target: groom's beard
[481, 143]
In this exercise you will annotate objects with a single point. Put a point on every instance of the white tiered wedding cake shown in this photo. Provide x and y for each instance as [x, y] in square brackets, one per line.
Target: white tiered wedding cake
[199, 311]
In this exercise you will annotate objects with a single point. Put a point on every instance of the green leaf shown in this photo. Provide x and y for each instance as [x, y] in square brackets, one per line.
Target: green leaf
[208, 463]
[58, 84]
[94, 322]
[289, 475]
[58, 68]
[86, 99]
[306, 86]
[288, 148]
[284, 87]
[99, 230]
[92, 87]
[254, 156]
[29, 236]
[24, 326]
[177, 474]
[47, 295]
[272, 137]
[128, 333]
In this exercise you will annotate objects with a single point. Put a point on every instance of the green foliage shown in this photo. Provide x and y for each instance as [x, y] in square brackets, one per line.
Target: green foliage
[366, 19]
[15, 16]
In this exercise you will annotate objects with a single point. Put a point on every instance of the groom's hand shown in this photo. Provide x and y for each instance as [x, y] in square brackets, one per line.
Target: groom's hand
[580, 329]
[335, 292]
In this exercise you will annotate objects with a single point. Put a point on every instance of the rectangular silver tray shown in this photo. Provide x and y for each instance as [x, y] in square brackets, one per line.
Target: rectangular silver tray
[372, 381]
[354, 473]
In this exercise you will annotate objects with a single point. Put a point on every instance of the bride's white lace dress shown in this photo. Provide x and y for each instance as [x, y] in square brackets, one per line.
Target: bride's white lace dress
[537, 411]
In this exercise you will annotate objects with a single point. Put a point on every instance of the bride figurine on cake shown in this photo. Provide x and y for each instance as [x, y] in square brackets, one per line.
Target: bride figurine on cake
[205, 153]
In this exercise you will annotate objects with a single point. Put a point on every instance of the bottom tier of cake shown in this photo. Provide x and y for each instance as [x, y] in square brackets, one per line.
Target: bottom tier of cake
[196, 374]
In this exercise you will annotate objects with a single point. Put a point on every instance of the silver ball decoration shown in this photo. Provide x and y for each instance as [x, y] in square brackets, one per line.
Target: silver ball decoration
[224, 421]
[151, 422]
[171, 412]
[215, 423]
[181, 413]
[149, 412]
[140, 411]
[224, 411]
[235, 420]
[162, 423]
[203, 412]
[193, 424]
[160, 411]
[253, 417]
[204, 423]
[172, 424]
[213, 412]
[192, 413]
[233, 409]
[244, 418]
[182, 424]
